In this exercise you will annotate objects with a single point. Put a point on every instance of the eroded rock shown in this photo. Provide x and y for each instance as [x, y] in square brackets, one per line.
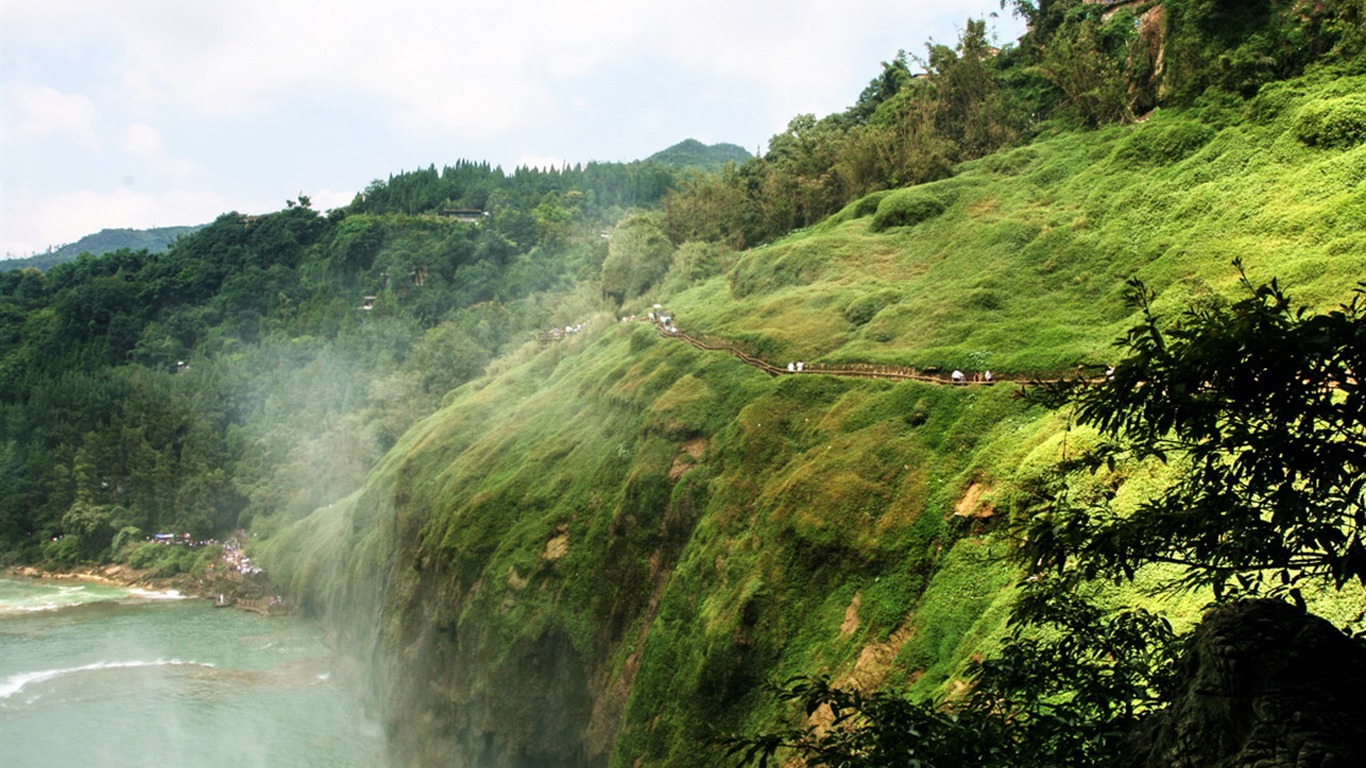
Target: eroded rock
[1263, 685]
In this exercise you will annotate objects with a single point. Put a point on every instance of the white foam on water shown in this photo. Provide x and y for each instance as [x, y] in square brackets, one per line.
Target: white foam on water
[23, 597]
[17, 682]
[154, 594]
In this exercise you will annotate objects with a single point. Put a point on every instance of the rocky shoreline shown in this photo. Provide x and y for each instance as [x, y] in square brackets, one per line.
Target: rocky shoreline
[243, 593]
[114, 574]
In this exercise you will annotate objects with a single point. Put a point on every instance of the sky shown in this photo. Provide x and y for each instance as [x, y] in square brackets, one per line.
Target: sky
[155, 113]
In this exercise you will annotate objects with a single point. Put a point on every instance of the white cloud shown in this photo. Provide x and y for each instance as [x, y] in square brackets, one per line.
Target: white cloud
[325, 200]
[260, 98]
[32, 223]
[145, 142]
[43, 110]
[477, 69]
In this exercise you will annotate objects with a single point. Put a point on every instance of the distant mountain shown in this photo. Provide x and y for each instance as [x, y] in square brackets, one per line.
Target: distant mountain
[106, 240]
[692, 153]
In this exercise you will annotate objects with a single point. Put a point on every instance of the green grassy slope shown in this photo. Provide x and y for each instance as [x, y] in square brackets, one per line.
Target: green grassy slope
[1024, 268]
[599, 551]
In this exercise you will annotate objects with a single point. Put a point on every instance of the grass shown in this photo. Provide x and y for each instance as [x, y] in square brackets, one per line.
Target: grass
[1026, 258]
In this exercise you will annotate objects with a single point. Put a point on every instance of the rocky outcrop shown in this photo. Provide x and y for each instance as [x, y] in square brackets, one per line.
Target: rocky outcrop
[1263, 684]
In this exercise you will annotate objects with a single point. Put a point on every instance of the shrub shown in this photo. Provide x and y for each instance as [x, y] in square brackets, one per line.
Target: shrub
[905, 208]
[147, 555]
[1273, 101]
[862, 309]
[170, 559]
[63, 550]
[1164, 143]
[868, 204]
[1332, 123]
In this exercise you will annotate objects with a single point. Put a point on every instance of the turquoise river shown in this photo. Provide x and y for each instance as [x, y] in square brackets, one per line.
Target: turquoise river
[96, 675]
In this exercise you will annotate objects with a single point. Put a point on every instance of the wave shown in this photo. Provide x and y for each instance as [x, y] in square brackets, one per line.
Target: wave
[32, 597]
[156, 594]
[17, 682]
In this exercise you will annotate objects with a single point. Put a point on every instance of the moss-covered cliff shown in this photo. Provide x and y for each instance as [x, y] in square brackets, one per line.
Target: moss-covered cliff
[598, 552]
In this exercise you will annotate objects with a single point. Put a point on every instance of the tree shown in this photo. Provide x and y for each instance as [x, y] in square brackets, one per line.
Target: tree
[895, 75]
[638, 256]
[969, 109]
[1259, 408]
[1085, 59]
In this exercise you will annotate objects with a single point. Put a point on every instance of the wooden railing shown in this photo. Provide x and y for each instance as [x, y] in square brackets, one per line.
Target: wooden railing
[852, 370]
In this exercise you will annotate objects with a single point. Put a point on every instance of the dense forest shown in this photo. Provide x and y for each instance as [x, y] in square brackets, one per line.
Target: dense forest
[646, 534]
[263, 363]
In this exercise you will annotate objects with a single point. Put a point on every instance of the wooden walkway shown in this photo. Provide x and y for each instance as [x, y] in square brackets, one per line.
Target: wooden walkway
[850, 370]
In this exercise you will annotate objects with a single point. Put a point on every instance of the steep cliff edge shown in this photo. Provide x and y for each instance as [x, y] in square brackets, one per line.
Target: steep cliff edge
[597, 553]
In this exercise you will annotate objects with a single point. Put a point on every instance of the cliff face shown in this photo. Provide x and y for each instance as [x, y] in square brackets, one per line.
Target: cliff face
[1263, 684]
[601, 557]
[598, 553]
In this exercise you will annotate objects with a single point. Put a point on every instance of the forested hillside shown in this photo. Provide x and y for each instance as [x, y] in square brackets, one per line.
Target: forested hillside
[596, 547]
[694, 154]
[263, 363]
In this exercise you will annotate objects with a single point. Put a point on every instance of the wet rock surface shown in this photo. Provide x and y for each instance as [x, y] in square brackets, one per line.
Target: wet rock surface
[1263, 685]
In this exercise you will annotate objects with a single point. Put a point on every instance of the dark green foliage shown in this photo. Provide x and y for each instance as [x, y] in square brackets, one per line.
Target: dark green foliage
[1163, 142]
[896, 76]
[168, 560]
[237, 374]
[1260, 406]
[1102, 66]
[1240, 46]
[867, 205]
[1332, 123]
[634, 519]
[1080, 62]
[692, 153]
[510, 198]
[906, 208]
[904, 130]
[1069, 683]
[157, 240]
[638, 256]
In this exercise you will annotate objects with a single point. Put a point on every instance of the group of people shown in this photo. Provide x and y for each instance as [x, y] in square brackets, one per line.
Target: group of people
[236, 560]
[666, 324]
[558, 332]
[960, 378]
[182, 539]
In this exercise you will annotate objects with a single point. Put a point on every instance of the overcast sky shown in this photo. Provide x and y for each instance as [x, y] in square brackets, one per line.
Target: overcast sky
[151, 113]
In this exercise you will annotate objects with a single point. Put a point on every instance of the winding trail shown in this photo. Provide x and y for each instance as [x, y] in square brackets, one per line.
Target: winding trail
[848, 370]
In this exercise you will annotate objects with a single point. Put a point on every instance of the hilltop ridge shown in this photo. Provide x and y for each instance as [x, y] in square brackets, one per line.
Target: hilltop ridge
[155, 240]
[691, 153]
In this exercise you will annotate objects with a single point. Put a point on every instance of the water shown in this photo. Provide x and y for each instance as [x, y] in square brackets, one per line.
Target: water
[94, 675]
